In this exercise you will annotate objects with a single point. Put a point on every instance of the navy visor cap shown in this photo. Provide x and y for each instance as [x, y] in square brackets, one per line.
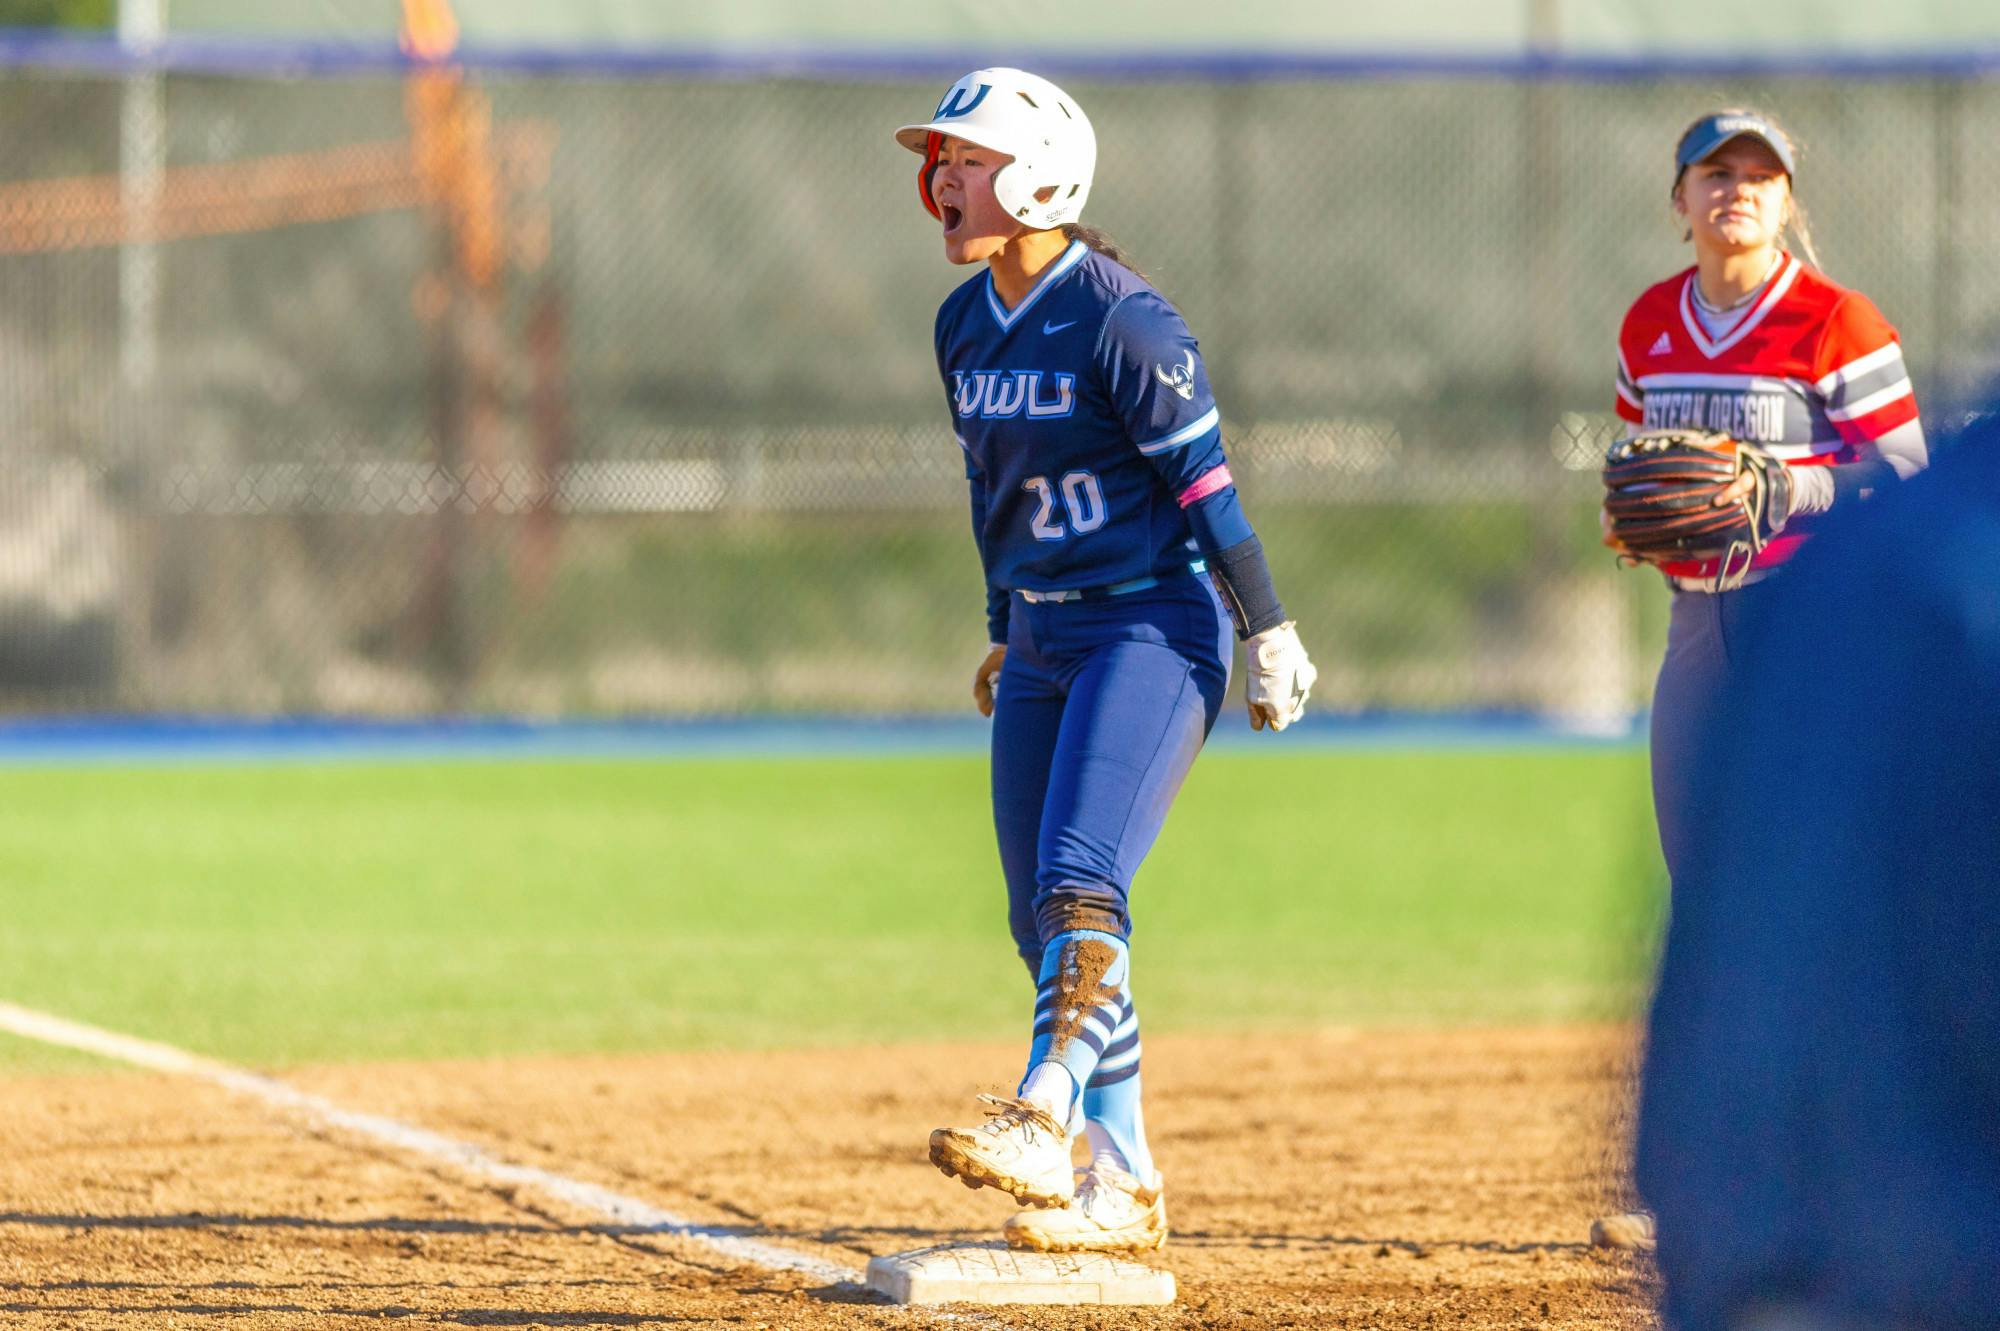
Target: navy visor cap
[1711, 132]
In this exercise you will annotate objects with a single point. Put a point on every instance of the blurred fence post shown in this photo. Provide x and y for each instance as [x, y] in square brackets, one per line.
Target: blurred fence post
[141, 161]
[1233, 295]
[1949, 158]
[133, 454]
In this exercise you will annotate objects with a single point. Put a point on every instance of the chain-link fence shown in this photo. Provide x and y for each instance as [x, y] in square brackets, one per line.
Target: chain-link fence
[567, 395]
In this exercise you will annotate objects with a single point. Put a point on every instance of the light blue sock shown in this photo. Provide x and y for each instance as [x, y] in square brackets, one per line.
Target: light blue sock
[1079, 1001]
[1111, 1107]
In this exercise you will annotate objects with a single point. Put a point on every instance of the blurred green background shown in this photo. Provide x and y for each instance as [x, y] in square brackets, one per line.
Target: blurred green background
[279, 913]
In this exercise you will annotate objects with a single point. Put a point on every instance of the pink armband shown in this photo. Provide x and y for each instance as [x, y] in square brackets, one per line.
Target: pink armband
[1215, 478]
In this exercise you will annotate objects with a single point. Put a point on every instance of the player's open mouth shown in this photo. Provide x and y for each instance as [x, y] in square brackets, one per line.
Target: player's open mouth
[952, 217]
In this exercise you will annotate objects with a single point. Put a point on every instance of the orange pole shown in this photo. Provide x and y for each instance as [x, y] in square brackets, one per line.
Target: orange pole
[452, 136]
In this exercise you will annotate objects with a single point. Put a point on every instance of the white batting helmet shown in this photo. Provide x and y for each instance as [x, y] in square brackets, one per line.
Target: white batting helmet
[1031, 120]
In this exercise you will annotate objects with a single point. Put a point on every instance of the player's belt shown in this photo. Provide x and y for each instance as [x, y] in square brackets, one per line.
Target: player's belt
[1111, 589]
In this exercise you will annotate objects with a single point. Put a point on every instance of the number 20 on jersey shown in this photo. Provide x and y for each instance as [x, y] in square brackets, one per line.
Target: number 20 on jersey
[1082, 500]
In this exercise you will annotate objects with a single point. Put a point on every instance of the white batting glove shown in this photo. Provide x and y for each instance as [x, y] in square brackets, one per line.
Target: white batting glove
[1280, 678]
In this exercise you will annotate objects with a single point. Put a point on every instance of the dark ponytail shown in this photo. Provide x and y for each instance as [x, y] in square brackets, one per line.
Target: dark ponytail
[1103, 244]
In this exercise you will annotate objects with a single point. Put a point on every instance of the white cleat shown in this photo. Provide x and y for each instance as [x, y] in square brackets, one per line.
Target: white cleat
[1113, 1212]
[1632, 1231]
[1021, 1149]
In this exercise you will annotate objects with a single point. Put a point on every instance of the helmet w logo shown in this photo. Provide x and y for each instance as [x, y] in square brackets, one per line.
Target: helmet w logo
[949, 108]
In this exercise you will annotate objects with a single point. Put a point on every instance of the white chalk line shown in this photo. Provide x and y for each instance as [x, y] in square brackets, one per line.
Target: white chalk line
[617, 1207]
[463, 1156]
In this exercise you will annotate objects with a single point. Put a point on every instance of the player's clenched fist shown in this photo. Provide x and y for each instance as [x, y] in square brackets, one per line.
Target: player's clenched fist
[1281, 677]
[988, 677]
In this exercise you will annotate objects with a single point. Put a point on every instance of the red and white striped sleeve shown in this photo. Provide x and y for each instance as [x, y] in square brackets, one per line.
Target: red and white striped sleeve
[1859, 373]
[1631, 403]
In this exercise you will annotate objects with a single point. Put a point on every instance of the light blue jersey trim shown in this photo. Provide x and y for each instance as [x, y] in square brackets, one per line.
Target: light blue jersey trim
[1071, 257]
[1185, 433]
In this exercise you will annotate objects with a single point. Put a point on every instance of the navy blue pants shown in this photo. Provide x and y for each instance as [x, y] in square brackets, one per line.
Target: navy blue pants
[1706, 634]
[1100, 711]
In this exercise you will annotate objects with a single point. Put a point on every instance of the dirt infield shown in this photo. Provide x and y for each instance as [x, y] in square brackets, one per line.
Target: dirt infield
[1377, 1179]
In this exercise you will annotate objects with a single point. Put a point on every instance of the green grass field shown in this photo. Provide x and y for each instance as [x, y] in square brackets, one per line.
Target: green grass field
[301, 912]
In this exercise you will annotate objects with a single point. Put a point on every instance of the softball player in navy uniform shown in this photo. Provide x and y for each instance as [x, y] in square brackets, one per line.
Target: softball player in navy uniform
[1757, 344]
[1117, 558]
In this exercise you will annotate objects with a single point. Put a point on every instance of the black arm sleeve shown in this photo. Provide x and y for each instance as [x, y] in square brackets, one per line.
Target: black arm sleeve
[1244, 579]
[1857, 480]
[996, 597]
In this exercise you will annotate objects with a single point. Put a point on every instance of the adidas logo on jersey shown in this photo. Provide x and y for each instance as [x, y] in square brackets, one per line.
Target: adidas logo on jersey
[998, 394]
[1662, 346]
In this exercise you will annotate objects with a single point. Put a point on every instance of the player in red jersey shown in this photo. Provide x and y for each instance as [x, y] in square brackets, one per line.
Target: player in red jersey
[1759, 344]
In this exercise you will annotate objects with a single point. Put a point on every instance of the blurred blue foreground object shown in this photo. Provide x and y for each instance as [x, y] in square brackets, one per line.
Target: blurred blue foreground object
[1820, 1119]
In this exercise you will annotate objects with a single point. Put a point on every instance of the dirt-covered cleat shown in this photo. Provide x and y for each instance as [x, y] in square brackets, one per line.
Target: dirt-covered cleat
[1632, 1230]
[1020, 1149]
[1113, 1212]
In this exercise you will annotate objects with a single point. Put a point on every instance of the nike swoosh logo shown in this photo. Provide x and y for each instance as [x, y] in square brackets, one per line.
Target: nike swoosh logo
[1048, 328]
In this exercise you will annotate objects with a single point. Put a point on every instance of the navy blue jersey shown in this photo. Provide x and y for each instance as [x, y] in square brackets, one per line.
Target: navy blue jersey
[1088, 428]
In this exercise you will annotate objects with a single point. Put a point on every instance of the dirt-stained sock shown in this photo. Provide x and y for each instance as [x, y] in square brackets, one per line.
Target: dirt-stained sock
[1079, 1002]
